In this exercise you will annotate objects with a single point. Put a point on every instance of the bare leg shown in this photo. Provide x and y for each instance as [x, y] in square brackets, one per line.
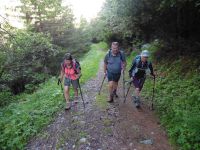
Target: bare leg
[115, 88]
[111, 87]
[137, 92]
[66, 93]
[75, 95]
[115, 85]
[75, 92]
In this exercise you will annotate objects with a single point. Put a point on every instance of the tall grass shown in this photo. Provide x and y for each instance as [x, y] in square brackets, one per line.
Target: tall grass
[19, 121]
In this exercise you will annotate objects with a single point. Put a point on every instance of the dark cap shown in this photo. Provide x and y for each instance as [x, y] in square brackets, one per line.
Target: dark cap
[68, 56]
[115, 43]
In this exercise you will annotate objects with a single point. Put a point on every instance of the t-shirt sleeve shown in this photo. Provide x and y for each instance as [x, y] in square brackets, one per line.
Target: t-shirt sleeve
[123, 56]
[106, 59]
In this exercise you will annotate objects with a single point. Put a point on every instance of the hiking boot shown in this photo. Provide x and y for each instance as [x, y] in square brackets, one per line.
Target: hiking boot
[115, 93]
[134, 99]
[137, 102]
[137, 105]
[68, 106]
[111, 99]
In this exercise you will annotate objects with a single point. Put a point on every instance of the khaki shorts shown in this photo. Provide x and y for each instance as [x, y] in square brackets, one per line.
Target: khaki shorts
[68, 83]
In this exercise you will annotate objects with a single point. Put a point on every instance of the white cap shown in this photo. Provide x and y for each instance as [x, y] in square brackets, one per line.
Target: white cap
[145, 53]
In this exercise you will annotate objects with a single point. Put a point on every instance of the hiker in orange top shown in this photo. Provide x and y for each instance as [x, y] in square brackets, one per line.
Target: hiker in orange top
[71, 72]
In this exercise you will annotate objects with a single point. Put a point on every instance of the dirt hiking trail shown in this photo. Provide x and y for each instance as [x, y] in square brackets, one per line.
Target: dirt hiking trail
[102, 126]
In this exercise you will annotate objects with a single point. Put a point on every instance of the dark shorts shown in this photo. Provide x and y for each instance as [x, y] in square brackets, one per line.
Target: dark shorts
[138, 82]
[68, 82]
[113, 76]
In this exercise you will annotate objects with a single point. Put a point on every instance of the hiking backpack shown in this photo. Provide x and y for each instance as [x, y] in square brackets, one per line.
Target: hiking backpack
[137, 59]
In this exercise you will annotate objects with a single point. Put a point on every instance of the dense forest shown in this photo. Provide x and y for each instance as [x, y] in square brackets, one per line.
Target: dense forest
[170, 29]
[29, 56]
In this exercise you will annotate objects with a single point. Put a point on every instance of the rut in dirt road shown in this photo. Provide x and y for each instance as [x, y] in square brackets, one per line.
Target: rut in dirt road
[101, 125]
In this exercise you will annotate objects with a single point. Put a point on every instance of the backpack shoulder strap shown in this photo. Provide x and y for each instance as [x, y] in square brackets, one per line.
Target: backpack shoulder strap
[148, 63]
[109, 53]
[137, 60]
[120, 53]
[76, 65]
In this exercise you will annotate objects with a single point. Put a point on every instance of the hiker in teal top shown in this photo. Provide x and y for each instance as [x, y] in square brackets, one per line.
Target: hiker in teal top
[139, 69]
[114, 64]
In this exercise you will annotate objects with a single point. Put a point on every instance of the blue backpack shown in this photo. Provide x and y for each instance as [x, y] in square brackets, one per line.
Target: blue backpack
[137, 59]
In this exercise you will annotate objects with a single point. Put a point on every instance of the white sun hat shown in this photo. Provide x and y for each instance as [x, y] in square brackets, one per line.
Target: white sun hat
[145, 53]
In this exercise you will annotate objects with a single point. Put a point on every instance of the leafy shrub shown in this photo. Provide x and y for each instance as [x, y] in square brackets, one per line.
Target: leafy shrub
[26, 55]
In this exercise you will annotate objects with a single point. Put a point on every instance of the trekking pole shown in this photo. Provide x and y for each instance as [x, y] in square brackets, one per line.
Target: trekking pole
[101, 85]
[153, 93]
[59, 82]
[124, 84]
[81, 93]
[127, 91]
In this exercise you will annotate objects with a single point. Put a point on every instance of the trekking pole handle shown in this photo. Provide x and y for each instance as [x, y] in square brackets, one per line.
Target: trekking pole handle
[105, 74]
[128, 81]
[59, 81]
[79, 76]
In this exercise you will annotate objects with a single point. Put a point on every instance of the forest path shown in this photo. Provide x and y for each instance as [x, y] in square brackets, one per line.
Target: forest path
[101, 125]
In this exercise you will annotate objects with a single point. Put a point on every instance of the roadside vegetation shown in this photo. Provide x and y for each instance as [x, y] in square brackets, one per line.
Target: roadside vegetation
[29, 113]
